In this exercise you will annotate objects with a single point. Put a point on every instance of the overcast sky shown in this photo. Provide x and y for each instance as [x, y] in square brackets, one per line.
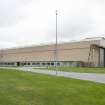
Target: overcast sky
[27, 22]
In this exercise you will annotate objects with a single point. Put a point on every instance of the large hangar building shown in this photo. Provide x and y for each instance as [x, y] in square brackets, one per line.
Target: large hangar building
[87, 52]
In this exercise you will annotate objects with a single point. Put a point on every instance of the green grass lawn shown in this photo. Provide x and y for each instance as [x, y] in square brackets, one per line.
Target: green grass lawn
[25, 88]
[76, 69]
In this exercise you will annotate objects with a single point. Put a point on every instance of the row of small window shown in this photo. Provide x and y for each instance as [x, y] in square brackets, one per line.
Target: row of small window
[45, 64]
[7, 63]
[25, 63]
[39, 63]
[28, 63]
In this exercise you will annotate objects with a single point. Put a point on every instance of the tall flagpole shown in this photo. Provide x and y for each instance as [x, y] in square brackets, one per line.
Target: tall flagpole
[56, 44]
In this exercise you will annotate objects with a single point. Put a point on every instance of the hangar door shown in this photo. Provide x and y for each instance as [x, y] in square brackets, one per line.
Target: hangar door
[102, 57]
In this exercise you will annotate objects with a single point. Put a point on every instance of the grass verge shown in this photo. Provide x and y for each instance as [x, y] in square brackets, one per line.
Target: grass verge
[24, 88]
[75, 69]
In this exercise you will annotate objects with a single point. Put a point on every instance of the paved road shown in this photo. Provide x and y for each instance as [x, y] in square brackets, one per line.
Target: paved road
[96, 77]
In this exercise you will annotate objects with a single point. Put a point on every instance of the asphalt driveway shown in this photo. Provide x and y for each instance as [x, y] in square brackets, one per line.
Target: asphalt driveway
[96, 77]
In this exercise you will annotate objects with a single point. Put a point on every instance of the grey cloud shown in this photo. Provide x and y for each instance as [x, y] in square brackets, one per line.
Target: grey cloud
[77, 27]
[70, 27]
[9, 11]
[74, 21]
[23, 1]
[7, 34]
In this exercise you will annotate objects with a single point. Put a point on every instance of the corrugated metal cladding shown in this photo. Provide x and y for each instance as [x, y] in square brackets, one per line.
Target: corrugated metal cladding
[88, 52]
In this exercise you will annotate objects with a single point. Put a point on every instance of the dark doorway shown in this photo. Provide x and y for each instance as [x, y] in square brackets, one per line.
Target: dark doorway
[18, 63]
